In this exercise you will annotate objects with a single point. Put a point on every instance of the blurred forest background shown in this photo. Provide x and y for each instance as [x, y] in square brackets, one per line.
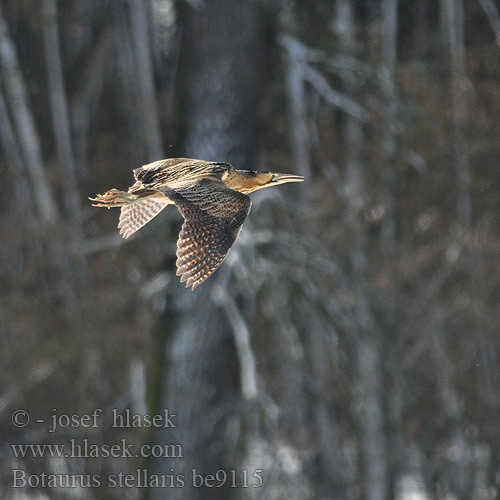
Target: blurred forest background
[349, 346]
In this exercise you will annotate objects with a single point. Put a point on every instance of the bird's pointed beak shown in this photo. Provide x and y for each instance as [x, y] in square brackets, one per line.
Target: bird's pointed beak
[282, 178]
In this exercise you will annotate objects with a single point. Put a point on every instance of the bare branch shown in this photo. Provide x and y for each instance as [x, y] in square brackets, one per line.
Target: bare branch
[301, 55]
[248, 371]
[337, 99]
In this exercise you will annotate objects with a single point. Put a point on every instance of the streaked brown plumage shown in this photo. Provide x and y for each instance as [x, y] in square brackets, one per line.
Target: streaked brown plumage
[212, 198]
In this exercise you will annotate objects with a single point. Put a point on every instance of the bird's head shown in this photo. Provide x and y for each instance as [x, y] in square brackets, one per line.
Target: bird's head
[247, 181]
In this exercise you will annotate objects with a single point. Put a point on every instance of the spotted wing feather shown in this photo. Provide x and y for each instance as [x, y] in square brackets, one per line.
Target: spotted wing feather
[213, 216]
[136, 215]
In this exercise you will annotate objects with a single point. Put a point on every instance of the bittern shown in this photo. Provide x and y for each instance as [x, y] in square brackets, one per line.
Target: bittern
[212, 198]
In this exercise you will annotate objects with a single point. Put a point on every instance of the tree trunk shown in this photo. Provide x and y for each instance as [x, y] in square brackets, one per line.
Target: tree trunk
[221, 82]
[85, 103]
[207, 376]
[144, 78]
[456, 476]
[368, 395]
[452, 19]
[25, 125]
[8, 139]
[77, 265]
[59, 109]
[493, 16]
[388, 52]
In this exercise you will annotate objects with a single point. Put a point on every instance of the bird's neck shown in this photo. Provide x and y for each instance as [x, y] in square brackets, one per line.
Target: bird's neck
[242, 181]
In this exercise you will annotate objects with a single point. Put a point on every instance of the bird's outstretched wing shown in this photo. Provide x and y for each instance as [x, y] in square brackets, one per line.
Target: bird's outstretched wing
[213, 216]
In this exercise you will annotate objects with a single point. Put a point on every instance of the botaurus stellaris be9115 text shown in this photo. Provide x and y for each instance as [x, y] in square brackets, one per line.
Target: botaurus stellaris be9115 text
[212, 198]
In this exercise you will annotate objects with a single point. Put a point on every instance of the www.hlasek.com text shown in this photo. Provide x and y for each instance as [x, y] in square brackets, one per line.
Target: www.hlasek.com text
[86, 449]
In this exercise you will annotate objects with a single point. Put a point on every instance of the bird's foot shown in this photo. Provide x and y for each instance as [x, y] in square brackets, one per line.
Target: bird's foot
[112, 198]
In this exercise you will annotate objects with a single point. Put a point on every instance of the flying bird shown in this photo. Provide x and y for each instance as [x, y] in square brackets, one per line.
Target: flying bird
[212, 198]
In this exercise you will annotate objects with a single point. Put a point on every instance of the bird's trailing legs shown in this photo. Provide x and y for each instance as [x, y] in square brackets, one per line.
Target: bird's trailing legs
[114, 198]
